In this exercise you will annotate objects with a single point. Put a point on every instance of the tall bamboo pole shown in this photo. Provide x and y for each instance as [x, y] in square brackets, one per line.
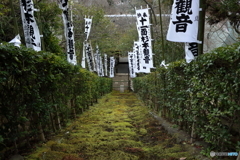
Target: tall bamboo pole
[152, 14]
[163, 111]
[41, 30]
[201, 26]
[160, 18]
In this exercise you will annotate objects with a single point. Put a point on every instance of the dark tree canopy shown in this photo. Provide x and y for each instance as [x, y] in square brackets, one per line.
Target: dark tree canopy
[219, 10]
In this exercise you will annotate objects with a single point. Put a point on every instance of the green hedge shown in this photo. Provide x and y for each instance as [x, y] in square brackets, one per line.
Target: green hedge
[203, 96]
[39, 93]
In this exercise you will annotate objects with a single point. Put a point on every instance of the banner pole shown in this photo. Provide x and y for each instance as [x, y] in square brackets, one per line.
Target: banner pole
[160, 18]
[201, 26]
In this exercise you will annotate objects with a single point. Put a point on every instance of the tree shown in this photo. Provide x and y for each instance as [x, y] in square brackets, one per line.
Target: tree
[110, 2]
[49, 23]
[7, 25]
[108, 33]
[219, 10]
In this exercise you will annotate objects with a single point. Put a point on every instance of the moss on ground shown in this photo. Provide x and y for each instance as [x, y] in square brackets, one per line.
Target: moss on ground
[117, 128]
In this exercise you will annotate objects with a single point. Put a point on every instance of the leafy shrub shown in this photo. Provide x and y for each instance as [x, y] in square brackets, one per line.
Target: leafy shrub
[205, 92]
[39, 93]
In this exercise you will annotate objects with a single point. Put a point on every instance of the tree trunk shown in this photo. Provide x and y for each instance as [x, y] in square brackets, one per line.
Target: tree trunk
[15, 146]
[26, 129]
[192, 132]
[41, 133]
[52, 122]
[73, 109]
[58, 118]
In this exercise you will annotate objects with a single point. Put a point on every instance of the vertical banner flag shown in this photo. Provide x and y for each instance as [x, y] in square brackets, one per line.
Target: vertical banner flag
[145, 65]
[145, 39]
[191, 51]
[97, 61]
[131, 62]
[85, 49]
[88, 52]
[112, 65]
[105, 64]
[30, 28]
[92, 55]
[136, 51]
[83, 64]
[88, 24]
[143, 17]
[71, 44]
[101, 66]
[63, 4]
[69, 34]
[183, 26]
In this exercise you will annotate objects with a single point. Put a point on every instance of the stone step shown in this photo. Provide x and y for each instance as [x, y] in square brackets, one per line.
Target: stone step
[121, 80]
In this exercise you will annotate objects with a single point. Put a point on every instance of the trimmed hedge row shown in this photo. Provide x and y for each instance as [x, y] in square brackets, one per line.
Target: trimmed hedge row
[39, 93]
[202, 97]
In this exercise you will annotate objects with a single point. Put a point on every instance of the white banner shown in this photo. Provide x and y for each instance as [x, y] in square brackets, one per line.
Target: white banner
[191, 51]
[93, 59]
[71, 57]
[145, 40]
[101, 66]
[112, 65]
[83, 64]
[30, 28]
[16, 41]
[183, 26]
[89, 57]
[63, 5]
[143, 17]
[132, 64]
[145, 49]
[105, 64]
[138, 30]
[88, 24]
[96, 63]
[69, 34]
[136, 50]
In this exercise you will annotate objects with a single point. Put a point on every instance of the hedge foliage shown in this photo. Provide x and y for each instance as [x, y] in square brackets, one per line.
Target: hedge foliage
[203, 96]
[39, 93]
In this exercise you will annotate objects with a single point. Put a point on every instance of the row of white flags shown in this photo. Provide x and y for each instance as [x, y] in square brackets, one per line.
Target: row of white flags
[141, 59]
[97, 63]
[32, 34]
[86, 50]
[32, 39]
[183, 26]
